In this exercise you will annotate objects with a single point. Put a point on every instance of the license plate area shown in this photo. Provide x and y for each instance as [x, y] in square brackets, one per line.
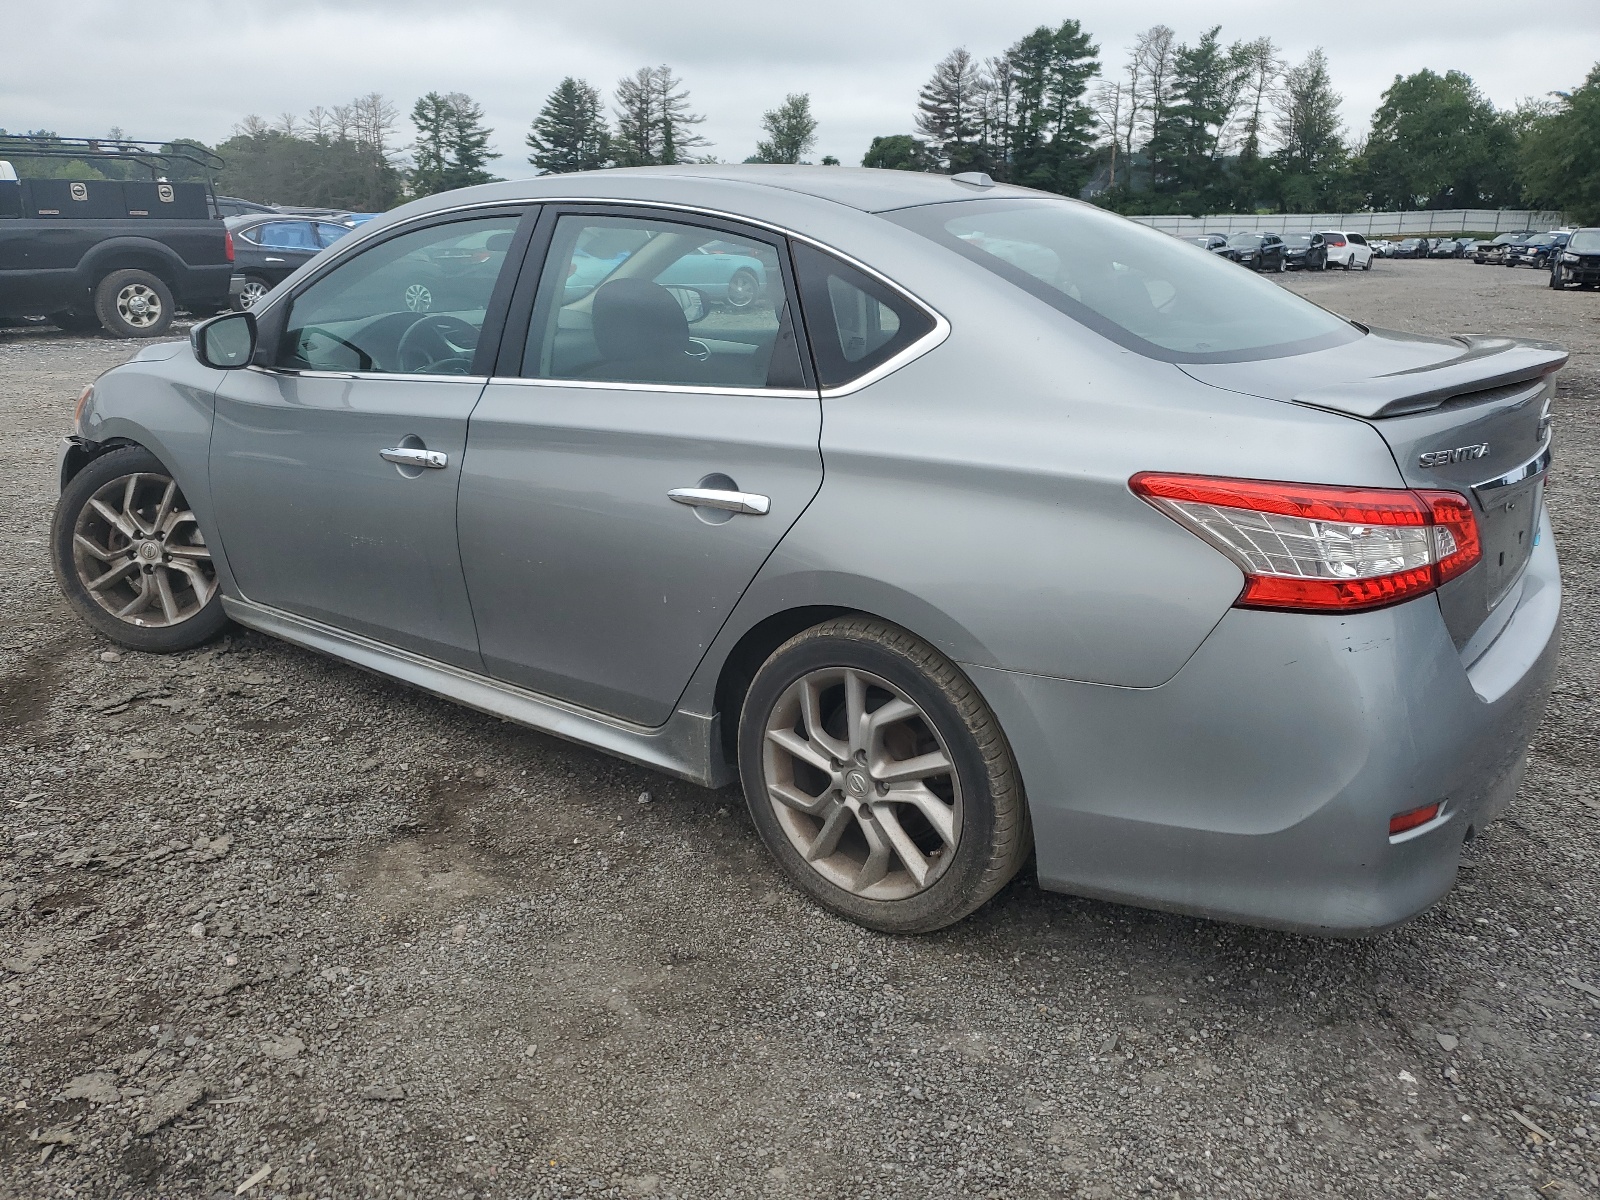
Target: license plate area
[1509, 523]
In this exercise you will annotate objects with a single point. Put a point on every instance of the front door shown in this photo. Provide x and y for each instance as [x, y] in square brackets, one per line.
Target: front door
[335, 470]
[656, 437]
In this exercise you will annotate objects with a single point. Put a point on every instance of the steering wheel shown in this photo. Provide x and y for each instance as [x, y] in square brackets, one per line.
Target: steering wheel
[437, 344]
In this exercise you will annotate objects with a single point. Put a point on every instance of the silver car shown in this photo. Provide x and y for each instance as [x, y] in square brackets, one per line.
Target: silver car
[994, 525]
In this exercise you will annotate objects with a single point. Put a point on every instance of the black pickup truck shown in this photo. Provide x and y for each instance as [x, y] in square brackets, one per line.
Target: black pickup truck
[123, 255]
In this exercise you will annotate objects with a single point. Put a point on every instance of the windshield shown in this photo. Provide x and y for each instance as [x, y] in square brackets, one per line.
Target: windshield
[1585, 241]
[1540, 239]
[1132, 284]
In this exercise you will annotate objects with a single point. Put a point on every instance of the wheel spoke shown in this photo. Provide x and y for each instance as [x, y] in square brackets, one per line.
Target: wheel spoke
[798, 747]
[165, 507]
[900, 770]
[936, 812]
[855, 710]
[896, 710]
[876, 868]
[129, 511]
[111, 576]
[100, 552]
[194, 553]
[203, 587]
[827, 839]
[169, 602]
[811, 714]
[140, 602]
[792, 797]
[911, 857]
[115, 519]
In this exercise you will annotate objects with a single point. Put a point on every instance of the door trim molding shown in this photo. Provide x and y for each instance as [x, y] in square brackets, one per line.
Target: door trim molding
[688, 746]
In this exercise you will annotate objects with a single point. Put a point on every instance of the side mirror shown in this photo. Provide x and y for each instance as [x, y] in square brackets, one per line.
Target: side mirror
[227, 342]
[692, 302]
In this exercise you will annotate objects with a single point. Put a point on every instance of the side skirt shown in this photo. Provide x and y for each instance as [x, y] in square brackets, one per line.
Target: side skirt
[688, 745]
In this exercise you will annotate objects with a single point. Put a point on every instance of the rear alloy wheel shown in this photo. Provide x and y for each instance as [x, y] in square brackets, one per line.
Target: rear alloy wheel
[130, 556]
[251, 292]
[418, 297]
[878, 777]
[133, 304]
[743, 288]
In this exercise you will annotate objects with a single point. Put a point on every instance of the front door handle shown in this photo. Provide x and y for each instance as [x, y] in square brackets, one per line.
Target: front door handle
[734, 502]
[407, 456]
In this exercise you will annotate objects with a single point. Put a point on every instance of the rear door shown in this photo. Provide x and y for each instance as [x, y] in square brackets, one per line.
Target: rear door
[650, 434]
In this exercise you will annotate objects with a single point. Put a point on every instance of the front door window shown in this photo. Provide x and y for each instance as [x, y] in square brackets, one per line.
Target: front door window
[412, 305]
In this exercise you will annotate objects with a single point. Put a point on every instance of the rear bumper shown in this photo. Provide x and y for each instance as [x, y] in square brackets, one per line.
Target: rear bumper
[1257, 785]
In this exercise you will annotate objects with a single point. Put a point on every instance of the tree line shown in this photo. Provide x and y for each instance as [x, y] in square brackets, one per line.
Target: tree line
[1204, 125]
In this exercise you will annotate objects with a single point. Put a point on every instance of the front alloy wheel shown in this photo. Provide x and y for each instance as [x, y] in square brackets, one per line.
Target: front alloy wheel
[743, 287]
[878, 777]
[130, 556]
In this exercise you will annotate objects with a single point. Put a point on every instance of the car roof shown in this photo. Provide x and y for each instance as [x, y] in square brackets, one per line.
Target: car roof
[866, 189]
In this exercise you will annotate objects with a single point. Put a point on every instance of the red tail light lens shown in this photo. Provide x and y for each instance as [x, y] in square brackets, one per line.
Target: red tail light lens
[227, 240]
[1314, 548]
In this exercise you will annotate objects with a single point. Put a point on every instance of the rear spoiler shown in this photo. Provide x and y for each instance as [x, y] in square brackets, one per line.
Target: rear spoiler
[1490, 362]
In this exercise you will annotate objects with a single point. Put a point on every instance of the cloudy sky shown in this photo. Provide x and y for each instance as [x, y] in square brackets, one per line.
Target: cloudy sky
[166, 68]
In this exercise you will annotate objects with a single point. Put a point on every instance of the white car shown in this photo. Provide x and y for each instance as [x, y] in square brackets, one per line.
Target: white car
[1347, 250]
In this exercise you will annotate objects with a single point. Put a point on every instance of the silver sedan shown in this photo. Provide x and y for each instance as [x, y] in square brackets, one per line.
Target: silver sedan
[991, 525]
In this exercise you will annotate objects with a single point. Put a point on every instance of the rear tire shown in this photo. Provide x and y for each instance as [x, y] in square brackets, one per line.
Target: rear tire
[250, 293]
[894, 847]
[132, 303]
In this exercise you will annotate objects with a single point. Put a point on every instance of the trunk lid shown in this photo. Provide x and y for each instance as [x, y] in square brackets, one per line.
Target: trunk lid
[1467, 415]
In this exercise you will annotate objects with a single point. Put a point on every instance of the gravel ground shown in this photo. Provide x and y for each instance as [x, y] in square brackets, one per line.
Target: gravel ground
[269, 921]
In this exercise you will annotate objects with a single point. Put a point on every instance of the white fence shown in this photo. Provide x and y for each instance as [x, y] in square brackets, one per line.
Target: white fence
[1444, 220]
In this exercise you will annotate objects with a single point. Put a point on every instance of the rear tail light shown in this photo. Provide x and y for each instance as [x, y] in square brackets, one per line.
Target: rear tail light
[227, 240]
[1314, 548]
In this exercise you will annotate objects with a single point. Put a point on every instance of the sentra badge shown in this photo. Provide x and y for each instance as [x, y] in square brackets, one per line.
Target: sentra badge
[1441, 458]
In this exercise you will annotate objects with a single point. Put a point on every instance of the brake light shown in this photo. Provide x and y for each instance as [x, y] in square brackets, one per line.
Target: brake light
[227, 241]
[1313, 548]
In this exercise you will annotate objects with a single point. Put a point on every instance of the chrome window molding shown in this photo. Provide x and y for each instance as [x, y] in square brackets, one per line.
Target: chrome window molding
[480, 380]
[927, 342]
[684, 388]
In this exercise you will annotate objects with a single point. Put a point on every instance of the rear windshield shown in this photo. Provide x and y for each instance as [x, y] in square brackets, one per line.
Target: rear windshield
[1142, 289]
[1585, 241]
[1245, 239]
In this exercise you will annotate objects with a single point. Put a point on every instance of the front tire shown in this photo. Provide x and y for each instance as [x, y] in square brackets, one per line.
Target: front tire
[130, 557]
[743, 288]
[133, 304]
[879, 779]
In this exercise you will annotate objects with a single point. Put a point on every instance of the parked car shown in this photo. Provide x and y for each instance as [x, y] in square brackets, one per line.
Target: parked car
[1412, 248]
[1537, 251]
[1384, 249]
[1347, 250]
[111, 254]
[1208, 241]
[718, 273]
[1579, 261]
[267, 250]
[1443, 247]
[1494, 250]
[1305, 251]
[633, 544]
[1258, 251]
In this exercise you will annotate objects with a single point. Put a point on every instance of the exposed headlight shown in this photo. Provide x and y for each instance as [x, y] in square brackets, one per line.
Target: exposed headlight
[1568, 256]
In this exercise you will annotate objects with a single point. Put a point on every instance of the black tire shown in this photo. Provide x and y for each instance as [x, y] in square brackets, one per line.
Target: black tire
[1557, 278]
[118, 300]
[75, 322]
[743, 288]
[994, 835]
[207, 619]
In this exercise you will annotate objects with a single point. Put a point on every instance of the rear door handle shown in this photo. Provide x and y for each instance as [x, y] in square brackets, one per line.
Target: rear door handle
[407, 456]
[735, 502]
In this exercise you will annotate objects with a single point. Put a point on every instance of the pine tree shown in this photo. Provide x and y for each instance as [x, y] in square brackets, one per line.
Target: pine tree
[675, 120]
[452, 146]
[1186, 143]
[791, 131]
[948, 109]
[1053, 129]
[654, 124]
[1311, 149]
[570, 132]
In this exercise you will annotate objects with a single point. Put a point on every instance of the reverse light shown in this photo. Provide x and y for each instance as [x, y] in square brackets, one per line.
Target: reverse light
[1413, 819]
[1314, 548]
